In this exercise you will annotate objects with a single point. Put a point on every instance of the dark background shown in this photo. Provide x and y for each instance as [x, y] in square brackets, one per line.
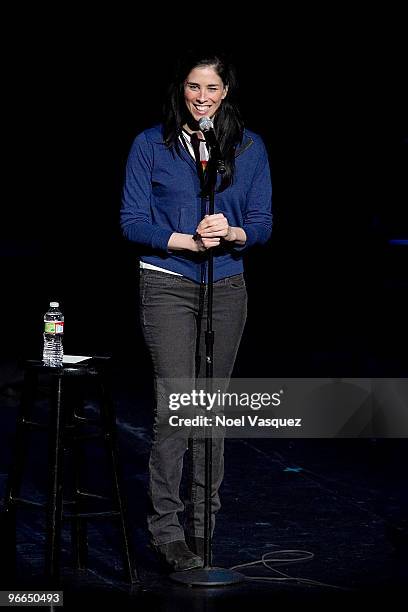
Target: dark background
[328, 294]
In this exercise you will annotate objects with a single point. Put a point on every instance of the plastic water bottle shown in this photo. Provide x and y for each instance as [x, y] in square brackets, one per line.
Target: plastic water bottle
[53, 336]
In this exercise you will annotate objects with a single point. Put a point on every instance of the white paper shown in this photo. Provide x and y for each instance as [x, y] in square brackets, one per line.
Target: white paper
[75, 358]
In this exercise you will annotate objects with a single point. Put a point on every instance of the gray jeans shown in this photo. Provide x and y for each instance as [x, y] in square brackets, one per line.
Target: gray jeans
[169, 307]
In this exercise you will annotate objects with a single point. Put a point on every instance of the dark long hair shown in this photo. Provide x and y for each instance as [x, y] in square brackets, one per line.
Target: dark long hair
[228, 124]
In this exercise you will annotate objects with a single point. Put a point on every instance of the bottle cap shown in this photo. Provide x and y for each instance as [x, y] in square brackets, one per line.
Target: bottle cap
[54, 304]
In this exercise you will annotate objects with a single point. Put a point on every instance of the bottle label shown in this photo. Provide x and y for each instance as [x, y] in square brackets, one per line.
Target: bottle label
[54, 327]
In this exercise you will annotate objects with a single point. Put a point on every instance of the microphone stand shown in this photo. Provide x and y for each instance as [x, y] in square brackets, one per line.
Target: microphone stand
[208, 575]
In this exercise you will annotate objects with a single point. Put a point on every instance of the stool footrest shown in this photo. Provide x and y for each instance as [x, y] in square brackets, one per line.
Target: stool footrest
[79, 420]
[82, 494]
[26, 502]
[105, 514]
[32, 424]
[68, 515]
[86, 494]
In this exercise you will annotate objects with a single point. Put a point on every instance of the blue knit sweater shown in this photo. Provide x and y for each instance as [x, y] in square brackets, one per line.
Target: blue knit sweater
[161, 195]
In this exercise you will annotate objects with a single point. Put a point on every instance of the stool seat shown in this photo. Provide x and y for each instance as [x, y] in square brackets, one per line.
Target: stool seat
[68, 430]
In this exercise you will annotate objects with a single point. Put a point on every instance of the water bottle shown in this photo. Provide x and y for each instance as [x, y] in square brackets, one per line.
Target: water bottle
[53, 336]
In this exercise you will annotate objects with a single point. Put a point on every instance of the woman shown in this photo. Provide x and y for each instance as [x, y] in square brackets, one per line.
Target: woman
[165, 204]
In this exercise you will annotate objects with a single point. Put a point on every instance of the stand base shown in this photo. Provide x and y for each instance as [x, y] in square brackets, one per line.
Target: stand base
[208, 577]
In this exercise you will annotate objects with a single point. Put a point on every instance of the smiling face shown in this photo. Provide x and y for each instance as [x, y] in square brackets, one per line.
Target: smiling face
[204, 92]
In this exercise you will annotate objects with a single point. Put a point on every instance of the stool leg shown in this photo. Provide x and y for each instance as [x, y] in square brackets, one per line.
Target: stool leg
[54, 504]
[79, 533]
[109, 427]
[8, 525]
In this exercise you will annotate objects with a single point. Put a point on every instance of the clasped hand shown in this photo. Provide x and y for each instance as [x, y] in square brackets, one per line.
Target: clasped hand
[211, 229]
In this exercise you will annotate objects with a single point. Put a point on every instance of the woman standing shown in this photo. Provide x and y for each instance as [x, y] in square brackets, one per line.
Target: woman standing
[164, 209]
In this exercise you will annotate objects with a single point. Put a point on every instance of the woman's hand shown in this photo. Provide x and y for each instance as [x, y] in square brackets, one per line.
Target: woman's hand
[215, 226]
[202, 244]
[209, 233]
[187, 242]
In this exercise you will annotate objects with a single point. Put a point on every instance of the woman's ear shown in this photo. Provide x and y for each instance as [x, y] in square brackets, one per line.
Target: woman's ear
[224, 93]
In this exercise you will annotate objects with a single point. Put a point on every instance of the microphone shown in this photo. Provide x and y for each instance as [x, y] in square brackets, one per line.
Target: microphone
[207, 128]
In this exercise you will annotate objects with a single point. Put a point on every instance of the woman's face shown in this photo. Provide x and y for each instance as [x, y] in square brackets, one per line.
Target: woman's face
[204, 92]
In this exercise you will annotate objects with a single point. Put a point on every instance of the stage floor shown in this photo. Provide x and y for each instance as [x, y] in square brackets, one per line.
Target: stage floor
[335, 502]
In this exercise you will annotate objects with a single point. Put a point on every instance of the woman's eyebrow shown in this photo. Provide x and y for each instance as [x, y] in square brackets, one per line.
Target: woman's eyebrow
[198, 84]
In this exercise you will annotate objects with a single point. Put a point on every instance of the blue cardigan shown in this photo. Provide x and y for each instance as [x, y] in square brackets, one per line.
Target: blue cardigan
[161, 195]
